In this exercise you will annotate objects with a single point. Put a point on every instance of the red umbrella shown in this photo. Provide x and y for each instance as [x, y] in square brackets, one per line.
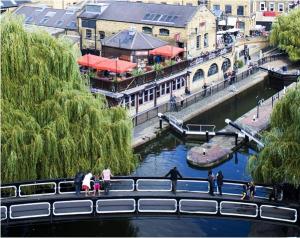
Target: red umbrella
[166, 51]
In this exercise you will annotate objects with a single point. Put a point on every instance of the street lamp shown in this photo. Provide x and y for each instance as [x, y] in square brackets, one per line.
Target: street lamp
[259, 103]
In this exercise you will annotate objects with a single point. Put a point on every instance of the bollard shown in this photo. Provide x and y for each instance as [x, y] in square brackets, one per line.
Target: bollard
[207, 137]
[236, 139]
[272, 101]
[160, 123]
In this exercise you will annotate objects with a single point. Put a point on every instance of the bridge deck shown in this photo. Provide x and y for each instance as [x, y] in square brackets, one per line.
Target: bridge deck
[54, 199]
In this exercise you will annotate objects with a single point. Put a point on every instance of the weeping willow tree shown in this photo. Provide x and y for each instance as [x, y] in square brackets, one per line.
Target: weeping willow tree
[51, 125]
[285, 34]
[279, 161]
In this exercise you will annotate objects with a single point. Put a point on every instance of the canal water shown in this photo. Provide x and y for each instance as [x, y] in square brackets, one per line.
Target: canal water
[158, 157]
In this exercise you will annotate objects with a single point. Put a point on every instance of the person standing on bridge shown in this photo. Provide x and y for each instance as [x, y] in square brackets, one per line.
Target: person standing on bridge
[78, 182]
[211, 181]
[174, 175]
[86, 183]
[220, 181]
[106, 174]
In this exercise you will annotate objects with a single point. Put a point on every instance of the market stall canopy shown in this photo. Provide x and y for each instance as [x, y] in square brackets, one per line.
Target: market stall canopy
[90, 60]
[115, 65]
[167, 51]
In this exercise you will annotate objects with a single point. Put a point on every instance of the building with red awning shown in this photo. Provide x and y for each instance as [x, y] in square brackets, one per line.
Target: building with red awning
[90, 60]
[167, 51]
[115, 65]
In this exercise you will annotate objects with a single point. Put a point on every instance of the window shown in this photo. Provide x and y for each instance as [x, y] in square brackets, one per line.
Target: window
[164, 32]
[240, 10]
[44, 20]
[280, 7]
[140, 98]
[101, 35]
[262, 6]
[241, 24]
[59, 23]
[226, 65]
[228, 9]
[163, 89]
[167, 88]
[88, 33]
[178, 83]
[28, 19]
[182, 82]
[173, 85]
[147, 30]
[72, 24]
[198, 43]
[151, 94]
[216, 7]
[158, 91]
[132, 99]
[213, 69]
[271, 7]
[291, 6]
[146, 96]
[198, 75]
[206, 40]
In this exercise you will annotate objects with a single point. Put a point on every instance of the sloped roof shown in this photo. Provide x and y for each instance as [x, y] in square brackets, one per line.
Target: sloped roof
[133, 40]
[58, 18]
[145, 13]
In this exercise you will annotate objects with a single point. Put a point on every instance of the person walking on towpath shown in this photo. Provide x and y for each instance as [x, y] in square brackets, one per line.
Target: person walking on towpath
[211, 180]
[106, 174]
[174, 175]
[220, 181]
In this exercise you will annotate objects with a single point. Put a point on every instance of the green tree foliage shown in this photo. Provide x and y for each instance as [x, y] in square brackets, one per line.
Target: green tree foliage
[279, 161]
[286, 34]
[52, 126]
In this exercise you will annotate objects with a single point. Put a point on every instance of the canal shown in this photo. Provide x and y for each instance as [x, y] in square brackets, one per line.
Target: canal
[157, 158]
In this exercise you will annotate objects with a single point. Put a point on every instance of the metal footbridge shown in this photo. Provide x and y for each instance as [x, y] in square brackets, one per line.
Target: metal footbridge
[51, 200]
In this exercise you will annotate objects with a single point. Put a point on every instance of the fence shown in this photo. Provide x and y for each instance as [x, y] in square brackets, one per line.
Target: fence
[142, 117]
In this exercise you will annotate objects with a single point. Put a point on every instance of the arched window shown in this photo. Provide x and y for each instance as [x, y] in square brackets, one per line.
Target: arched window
[213, 69]
[147, 30]
[226, 64]
[164, 32]
[198, 75]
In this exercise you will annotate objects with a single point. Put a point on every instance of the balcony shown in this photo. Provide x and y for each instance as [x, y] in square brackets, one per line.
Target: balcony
[119, 84]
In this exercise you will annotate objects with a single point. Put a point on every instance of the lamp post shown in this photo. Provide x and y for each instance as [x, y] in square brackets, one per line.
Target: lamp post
[259, 103]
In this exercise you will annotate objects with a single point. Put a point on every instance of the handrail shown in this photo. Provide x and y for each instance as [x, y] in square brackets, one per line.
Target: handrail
[210, 128]
[122, 177]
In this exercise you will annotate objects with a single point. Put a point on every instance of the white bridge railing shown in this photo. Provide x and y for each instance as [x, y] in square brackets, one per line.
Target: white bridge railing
[35, 210]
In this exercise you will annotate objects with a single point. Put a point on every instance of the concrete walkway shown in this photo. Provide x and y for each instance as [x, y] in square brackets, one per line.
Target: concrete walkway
[150, 129]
